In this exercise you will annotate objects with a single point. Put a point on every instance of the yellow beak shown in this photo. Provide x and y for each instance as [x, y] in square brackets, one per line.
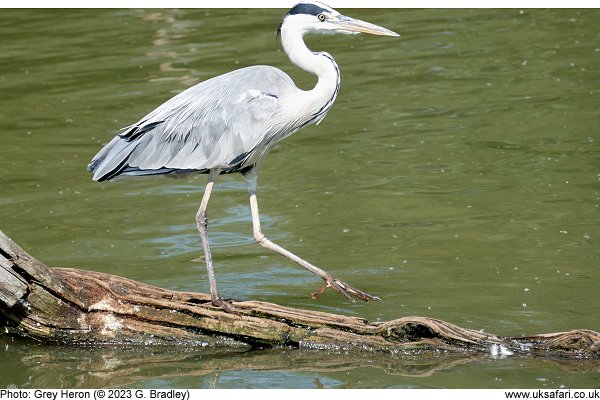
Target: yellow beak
[352, 25]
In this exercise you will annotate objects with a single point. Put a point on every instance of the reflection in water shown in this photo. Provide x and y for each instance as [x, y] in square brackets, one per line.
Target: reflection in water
[93, 367]
[170, 29]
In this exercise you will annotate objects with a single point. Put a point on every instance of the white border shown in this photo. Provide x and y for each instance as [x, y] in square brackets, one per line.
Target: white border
[285, 4]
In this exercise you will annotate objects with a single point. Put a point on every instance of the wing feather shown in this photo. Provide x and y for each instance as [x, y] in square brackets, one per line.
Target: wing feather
[216, 123]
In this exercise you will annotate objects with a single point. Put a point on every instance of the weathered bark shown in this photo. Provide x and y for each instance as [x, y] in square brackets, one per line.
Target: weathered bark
[67, 305]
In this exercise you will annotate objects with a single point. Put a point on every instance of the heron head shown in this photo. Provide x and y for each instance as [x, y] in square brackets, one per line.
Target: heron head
[315, 17]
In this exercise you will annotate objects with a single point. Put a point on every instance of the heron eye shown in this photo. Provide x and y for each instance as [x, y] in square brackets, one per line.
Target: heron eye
[321, 17]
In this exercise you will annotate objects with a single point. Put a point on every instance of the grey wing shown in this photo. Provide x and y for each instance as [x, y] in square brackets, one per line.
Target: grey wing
[215, 124]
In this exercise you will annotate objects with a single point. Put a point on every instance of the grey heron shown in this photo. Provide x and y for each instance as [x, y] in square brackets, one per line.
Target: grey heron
[229, 123]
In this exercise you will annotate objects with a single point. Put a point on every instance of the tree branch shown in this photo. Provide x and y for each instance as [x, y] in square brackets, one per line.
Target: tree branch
[67, 305]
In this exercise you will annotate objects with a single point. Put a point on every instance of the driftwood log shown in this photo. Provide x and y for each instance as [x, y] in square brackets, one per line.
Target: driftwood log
[64, 305]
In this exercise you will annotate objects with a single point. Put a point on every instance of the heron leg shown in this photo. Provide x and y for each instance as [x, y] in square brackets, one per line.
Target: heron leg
[330, 281]
[202, 223]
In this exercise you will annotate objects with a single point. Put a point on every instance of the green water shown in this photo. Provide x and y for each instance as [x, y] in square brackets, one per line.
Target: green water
[457, 177]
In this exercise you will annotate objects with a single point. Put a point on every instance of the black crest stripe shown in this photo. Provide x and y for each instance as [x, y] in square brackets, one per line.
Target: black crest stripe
[310, 9]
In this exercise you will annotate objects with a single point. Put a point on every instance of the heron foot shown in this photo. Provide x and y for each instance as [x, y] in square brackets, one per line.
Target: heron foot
[345, 290]
[225, 305]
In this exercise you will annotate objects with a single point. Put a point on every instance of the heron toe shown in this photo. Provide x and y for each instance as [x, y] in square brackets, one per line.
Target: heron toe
[225, 305]
[344, 289]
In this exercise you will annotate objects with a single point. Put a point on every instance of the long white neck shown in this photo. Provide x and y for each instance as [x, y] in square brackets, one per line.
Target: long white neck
[321, 97]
